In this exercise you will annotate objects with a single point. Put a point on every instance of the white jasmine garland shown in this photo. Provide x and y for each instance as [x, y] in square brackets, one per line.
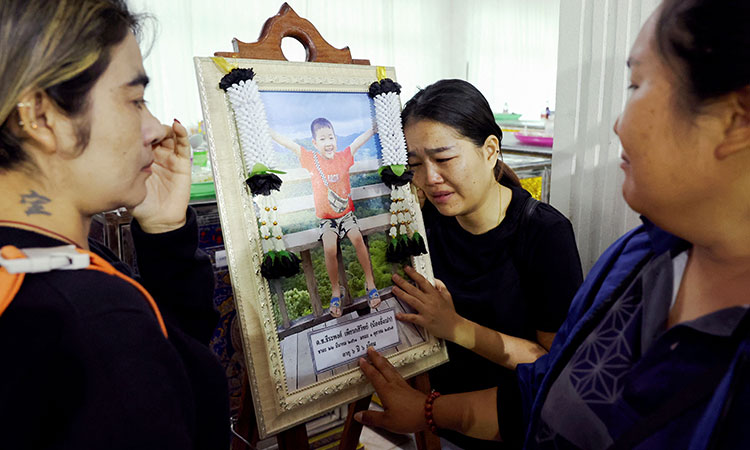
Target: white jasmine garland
[259, 159]
[257, 148]
[390, 131]
[252, 125]
[272, 237]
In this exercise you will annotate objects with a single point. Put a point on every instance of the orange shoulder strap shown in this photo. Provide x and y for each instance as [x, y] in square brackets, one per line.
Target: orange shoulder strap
[98, 263]
[11, 283]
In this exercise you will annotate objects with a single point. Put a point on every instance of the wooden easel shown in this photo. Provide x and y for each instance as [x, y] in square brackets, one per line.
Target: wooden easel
[286, 23]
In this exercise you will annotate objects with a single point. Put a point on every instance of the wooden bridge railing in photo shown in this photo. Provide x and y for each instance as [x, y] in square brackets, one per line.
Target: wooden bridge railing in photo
[303, 242]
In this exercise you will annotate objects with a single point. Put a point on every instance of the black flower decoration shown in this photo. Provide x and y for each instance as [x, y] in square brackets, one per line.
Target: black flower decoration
[416, 245]
[391, 252]
[390, 179]
[235, 76]
[389, 85]
[288, 264]
[374, 90]
[280, 264]
[397, 250]
[263, 183]
[383, 86]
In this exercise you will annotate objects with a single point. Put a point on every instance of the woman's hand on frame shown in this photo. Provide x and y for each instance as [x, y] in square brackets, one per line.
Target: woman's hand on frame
[403, 405]
[433, 304]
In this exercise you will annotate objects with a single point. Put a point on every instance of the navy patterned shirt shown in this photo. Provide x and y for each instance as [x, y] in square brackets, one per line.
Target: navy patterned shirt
[630, 364]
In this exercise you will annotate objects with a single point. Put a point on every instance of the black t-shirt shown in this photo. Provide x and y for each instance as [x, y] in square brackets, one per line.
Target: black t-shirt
[85, 365]
[507, 279]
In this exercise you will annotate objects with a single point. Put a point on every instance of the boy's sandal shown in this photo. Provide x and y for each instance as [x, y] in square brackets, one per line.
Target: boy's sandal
[374, 298]
[335, 307]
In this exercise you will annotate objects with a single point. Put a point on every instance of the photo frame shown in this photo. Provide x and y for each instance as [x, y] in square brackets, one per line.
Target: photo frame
[300, 368]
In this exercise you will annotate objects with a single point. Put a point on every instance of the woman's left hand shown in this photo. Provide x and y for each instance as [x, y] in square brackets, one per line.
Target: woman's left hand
[168, 187]
[402, 404]
[433, 303]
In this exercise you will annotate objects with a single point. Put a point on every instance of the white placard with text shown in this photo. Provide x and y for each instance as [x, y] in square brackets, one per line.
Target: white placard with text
[346, 342]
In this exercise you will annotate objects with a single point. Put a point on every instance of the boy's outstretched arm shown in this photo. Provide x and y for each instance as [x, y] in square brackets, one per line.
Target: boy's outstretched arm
[286, 142]
[360, 141]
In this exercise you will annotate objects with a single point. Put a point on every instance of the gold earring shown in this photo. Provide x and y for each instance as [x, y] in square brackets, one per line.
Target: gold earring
[33, 125]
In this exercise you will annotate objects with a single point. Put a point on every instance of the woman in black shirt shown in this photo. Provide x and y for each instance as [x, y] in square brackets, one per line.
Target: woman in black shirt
[508, 265]
[655, 351]
[90, 357]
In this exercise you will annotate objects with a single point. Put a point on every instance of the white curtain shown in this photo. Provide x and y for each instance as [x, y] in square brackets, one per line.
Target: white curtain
[595, 40]
[507, 48]
[511, 52]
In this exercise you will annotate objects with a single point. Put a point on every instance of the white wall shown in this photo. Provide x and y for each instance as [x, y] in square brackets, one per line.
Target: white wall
[592, 79]
[507, 48]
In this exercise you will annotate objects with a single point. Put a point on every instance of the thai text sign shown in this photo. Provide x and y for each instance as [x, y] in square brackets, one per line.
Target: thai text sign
[343, 343]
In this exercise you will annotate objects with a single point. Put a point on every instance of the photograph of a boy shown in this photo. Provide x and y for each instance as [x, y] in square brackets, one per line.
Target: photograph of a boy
[329, 172]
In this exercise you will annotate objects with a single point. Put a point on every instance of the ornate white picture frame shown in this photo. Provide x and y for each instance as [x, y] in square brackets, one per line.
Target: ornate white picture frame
[281, 399]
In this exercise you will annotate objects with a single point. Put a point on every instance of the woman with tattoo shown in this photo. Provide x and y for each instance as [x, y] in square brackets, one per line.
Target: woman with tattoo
[90, 357]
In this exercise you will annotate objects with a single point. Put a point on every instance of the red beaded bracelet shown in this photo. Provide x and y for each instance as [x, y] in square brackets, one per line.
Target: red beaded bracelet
[428, 410]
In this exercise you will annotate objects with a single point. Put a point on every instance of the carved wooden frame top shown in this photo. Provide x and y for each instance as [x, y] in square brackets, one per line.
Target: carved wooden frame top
[286, 23]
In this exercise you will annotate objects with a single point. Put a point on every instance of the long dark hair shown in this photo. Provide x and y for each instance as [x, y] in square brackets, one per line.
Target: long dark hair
[707, 44]
[459, 105]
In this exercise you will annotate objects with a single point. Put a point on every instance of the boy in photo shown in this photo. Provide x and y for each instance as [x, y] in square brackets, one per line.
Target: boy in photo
[329, 171]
